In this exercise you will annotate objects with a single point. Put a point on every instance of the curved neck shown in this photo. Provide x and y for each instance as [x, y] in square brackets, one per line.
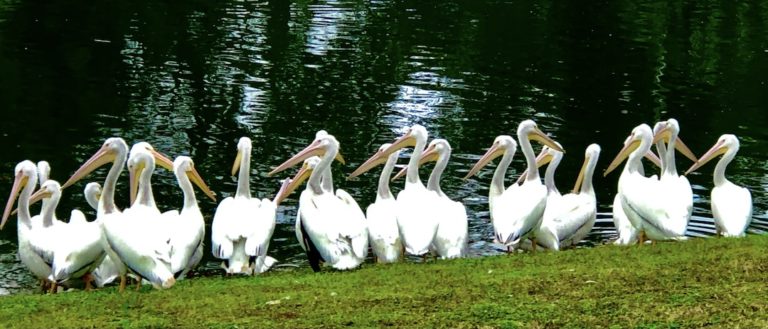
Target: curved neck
[668, 164]
[243, 176]
[497, 182]
[549, 174]
[23, 215]
[586, 184]
[718, 175]
[383, 192]
[323, 171]
[107, 200]
[662, 149]
[50, 211]
[633, 160]
[530, 158]
[186, 187]
[145, 195]
[434, 178]
[327, 180]
[412, 173]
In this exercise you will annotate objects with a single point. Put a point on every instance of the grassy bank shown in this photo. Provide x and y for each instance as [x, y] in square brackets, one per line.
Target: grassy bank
[693, 284]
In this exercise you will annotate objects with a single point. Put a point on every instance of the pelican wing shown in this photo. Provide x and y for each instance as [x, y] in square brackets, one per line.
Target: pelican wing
[263, 223]
[575, 218]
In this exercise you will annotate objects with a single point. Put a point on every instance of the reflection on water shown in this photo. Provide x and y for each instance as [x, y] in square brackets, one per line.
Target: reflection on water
[193, 77]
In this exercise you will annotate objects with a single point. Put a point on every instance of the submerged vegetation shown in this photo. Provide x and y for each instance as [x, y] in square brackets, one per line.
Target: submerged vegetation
[715, 282]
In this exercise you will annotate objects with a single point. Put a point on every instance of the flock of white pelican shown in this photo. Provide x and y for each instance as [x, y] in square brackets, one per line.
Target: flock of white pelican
[162, 247]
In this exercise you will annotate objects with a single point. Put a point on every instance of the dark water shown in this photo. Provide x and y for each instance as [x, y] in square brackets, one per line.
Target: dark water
[192, 77]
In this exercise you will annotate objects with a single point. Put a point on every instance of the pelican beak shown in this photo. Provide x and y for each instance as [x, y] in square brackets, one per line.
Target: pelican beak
[100, 158]
[541, 137]
[236, 165]
[381, 157]
[665, 135]
[494, 152]
[653, 158]
[316, 148]
[195, 178]
[580, 177]
[340, 158]
[282, 192]
[133, 178]
[543, 158]
[293, 183]
[628, 148]
[39, 195]
[429, 155]
[162, 160]
[18, 183]
[713, 152]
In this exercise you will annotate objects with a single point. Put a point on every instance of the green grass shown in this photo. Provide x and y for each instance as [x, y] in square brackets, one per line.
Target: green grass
[714, 283]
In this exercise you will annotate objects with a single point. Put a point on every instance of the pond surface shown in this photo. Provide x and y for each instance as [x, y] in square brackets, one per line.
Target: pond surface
[192, 77]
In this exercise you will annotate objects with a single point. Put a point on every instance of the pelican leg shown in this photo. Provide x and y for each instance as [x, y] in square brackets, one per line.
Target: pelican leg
[533, 244]
[640, 238]
[424, 258]
[88, 278]
[138, 284]
[122, 283]
[509, 250]
[43, 285]
[53, 287]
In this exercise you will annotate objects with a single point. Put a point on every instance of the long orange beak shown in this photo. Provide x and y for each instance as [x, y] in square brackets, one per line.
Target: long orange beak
[712, 153]
[281, 194]
[665, 134]
[623, 154]
[18, 183]
[541, 137]
[100, 158]
[494, 152]
[195, 178]
[293, 183]
[381, 156]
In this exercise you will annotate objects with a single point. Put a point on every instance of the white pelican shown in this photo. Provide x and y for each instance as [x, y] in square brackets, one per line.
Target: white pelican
[127, 239]
[35, 257]
[505, 146]
[187, 227]
[627, 234]
[381, 216]
[243, 226]
[678, 200]
[453, 228]
[642, 199]
[569, 218]
[517, 214]
[415, 204]
[77, 248]
[334, 226]
[731, 204]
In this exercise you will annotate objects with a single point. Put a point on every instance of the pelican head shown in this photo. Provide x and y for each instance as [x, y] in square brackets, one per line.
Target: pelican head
[108, 152]
[592, 152]
[639, 134]
[725, 143]
[184, 164]
[25, 173]
[529, 129]
[291, 184]
[668, 130]
[48, 189]
[414, 134]
[437, 148]
[323, 143]
[244, 146]
[43, 171]
[139, 161]
[502, 144]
